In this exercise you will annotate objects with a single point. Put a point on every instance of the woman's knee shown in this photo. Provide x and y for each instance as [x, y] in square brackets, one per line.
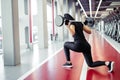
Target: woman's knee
[90, 65]
[88, 46]
[65, 44]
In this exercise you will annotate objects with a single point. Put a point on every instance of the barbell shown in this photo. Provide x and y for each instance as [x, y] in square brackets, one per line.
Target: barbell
[60, 20]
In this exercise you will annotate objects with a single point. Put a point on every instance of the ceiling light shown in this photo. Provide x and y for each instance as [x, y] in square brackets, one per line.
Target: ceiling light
[90, 6]
[82, 8]
[98, 8]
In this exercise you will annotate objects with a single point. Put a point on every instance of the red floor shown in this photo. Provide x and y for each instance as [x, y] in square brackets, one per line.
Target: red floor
[101, 50]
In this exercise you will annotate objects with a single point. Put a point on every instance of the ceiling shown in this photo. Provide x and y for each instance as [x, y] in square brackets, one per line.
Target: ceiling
[106, 6]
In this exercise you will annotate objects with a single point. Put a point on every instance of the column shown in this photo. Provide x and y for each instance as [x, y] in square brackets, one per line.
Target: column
[78, 15]
[60, 30]
[72, 13]
[42, 23]
[65, 10]
[72, 10]
[10, 24]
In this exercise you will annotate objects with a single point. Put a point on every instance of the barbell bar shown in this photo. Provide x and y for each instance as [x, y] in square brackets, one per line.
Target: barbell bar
[59, 21]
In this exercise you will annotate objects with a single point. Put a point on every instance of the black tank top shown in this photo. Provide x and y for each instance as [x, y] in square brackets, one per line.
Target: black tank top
[79, 35]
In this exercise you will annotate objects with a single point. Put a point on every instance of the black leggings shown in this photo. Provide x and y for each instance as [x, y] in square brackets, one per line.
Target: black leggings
[83, 47]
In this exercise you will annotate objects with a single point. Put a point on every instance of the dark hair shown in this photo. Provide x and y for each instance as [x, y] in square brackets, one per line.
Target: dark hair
[68, 17]
[66, 22]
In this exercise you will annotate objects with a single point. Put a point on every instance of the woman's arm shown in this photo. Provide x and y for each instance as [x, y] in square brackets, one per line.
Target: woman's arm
[71, 29]
[87, 29]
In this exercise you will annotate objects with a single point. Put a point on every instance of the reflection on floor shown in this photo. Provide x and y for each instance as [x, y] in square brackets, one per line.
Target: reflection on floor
[53, 70]
[101, 50]
[29, 60]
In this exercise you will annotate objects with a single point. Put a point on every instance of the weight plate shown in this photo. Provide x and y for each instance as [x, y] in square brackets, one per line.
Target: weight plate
[59, 20]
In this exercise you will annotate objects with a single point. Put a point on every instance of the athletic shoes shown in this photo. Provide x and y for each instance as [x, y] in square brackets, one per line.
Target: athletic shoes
[67, 65]
[110, 66]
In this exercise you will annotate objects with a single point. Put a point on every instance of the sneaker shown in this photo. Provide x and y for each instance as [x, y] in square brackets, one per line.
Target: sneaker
[69, 65]
[110, 66]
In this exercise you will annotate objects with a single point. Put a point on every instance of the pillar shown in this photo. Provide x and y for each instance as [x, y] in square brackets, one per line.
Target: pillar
[60, 30]
[73, 14]
[65, 10]
[78, 15]
[10, 24]
[42, 23]
[73, 10]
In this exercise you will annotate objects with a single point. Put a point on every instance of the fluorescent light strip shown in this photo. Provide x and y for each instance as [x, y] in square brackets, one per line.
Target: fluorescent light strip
[82, 8]
[90, 6]
[98, 8]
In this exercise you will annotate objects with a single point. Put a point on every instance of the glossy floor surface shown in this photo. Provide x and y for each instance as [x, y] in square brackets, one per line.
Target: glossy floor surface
[101, 50]
[30, 59]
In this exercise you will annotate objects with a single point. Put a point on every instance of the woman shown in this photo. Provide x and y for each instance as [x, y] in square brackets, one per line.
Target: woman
[80, 44]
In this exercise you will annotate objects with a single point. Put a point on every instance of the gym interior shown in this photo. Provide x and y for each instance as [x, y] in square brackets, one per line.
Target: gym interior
[31, 44]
